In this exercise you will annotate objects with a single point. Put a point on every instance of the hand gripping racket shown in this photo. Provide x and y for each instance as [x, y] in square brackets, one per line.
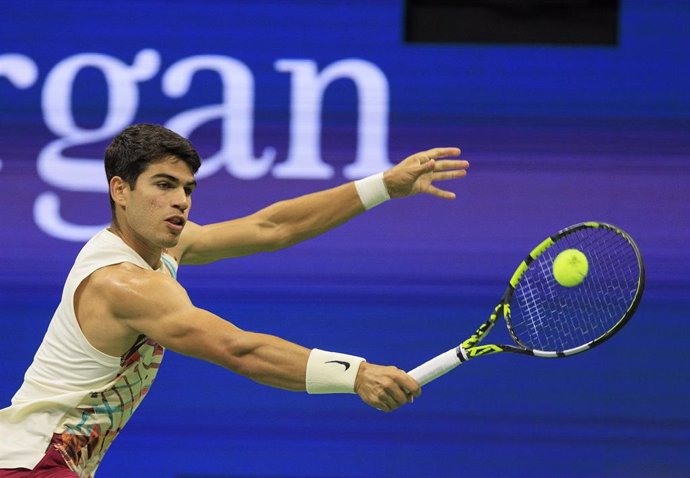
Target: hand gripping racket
[546, 319]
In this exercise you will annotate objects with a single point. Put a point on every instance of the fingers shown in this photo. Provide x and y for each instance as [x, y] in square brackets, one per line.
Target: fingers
[451, 165]
[442, 176]
[437, 175]
[405, 390]
[410, 385]
[439, 193]
[387, 388]
[388, 403]
[443, 169]
[435, 153]
[398, 394]
[416, 173]
[423, 157]
[447, 175]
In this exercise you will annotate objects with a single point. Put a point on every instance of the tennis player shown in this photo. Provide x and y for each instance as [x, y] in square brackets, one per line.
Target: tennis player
[121, 306]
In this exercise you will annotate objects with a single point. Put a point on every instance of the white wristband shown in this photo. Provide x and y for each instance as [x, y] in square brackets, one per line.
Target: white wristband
[331, 372]
[372, 190]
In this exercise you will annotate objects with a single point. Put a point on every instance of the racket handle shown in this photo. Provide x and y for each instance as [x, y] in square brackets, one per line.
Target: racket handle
[437, 366]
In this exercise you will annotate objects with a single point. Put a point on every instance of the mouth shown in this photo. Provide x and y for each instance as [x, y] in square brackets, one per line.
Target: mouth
[176, 223]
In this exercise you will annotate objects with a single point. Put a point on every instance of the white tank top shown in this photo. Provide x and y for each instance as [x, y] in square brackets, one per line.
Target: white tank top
[71, 388]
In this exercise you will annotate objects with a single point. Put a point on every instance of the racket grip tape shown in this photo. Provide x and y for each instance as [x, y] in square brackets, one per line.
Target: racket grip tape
[437, 366]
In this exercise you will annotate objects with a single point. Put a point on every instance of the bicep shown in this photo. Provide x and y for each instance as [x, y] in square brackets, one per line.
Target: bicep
[158, 307]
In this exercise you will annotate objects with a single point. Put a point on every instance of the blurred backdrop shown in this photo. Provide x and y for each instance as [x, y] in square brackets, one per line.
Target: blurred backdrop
[567, 111]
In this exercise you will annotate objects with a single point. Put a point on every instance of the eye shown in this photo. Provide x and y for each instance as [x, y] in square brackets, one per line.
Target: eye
[164, 185]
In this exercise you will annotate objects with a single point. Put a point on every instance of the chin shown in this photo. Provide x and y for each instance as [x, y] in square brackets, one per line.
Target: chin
[170, 241]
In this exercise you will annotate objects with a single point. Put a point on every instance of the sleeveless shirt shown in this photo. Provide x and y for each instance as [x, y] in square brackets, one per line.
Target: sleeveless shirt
[71, 388]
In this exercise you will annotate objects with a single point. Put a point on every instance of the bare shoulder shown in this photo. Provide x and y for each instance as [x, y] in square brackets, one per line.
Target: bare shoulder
[117, 303]
[129, 291]
[135, 301]
[109, 296]
[124, 273]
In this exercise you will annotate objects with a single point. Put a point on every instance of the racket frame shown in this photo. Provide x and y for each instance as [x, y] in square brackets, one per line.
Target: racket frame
[472, 347]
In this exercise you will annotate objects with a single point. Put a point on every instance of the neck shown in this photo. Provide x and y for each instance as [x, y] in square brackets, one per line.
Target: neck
[150, 253]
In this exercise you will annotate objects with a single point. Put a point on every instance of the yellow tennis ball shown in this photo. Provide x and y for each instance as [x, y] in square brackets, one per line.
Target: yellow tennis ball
[570, 268]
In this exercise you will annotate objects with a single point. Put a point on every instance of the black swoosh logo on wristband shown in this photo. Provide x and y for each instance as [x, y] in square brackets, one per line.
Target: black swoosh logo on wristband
[344, 364]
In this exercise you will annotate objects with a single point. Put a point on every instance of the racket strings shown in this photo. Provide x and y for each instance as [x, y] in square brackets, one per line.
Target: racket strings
[549, 317]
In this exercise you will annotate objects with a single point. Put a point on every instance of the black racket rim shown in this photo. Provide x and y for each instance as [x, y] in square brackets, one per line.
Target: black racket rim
[538, 251]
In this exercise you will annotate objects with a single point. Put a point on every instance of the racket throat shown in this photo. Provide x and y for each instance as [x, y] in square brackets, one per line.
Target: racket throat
[462, 354]
[466, 354]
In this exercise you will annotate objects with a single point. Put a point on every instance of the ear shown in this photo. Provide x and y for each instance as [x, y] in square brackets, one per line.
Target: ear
[118, 189]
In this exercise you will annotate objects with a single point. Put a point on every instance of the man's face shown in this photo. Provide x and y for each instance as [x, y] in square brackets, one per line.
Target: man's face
[158, 207]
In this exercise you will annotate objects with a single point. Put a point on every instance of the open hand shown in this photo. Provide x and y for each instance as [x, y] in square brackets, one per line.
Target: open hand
[417, 173]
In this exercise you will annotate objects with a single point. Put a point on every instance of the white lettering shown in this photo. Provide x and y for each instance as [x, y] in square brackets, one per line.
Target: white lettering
[19, 69]
[83, 174]
[48, 219]
[67, 172]
[236, 113]
[304, 155]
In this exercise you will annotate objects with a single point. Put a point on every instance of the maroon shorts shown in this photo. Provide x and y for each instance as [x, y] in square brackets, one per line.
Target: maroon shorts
[51, 466]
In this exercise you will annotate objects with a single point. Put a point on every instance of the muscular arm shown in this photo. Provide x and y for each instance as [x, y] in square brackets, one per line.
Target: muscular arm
[277, 226]
[288, 222]
[151, 303]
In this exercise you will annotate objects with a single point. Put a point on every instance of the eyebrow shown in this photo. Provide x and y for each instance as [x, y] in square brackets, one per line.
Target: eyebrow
[189, 184]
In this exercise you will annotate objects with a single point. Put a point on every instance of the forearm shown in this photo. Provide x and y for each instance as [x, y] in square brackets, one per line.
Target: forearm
[266, 359]
[281, 224]
[321, 372]
[296, 220]
[272, 361]
[275, 362]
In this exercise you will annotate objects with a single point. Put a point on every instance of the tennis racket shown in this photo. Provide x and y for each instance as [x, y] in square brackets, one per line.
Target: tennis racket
[546, 319]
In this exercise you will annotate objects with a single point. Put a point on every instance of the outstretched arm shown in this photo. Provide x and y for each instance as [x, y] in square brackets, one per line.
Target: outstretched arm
[153, 304]
[286, 223]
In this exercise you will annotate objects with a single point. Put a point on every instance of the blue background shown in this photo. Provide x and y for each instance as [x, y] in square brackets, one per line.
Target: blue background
[555, 134]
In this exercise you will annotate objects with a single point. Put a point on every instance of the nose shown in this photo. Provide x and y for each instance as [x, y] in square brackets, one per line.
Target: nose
[182, 200]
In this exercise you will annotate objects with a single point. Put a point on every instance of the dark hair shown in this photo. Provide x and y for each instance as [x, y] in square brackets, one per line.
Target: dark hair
[139, 145]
